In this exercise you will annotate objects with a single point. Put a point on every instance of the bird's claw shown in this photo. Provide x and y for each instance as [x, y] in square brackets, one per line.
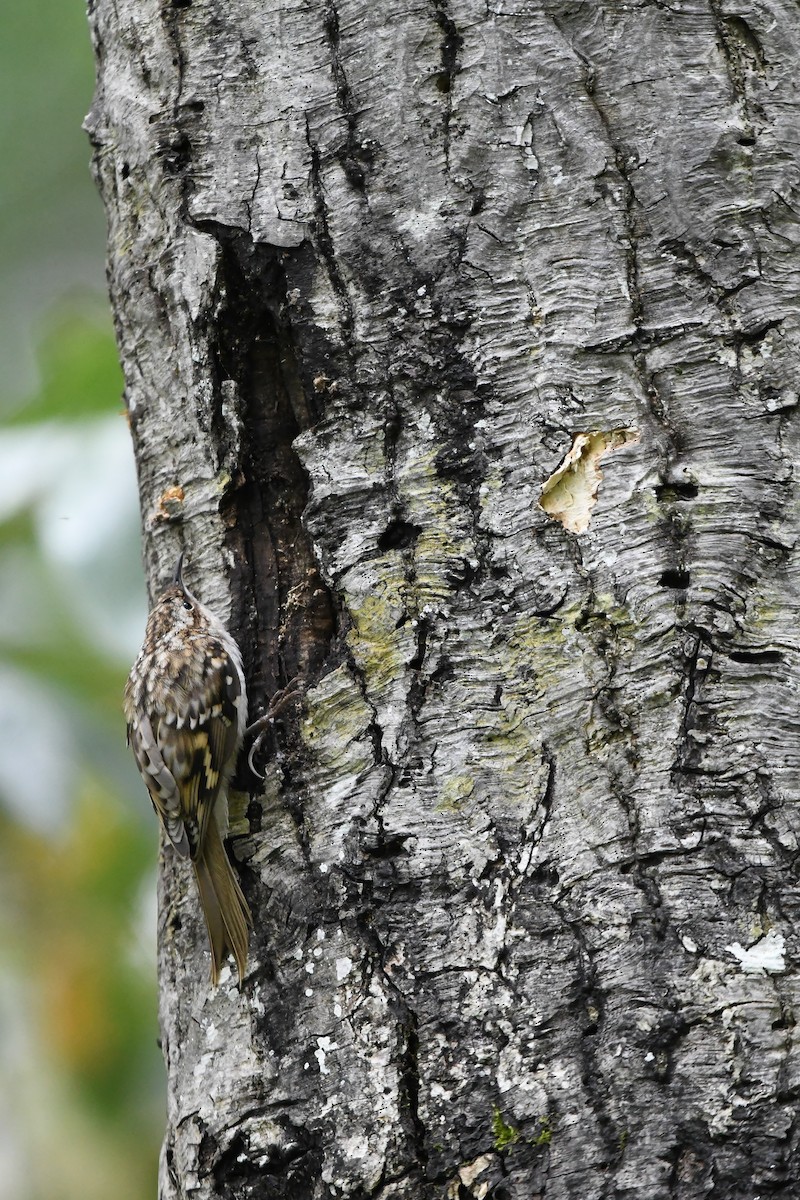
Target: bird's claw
[259, 729]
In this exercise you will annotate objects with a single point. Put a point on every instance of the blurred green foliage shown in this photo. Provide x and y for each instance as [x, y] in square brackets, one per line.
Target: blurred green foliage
[77, 903]
[78, 368]
[81, 1076]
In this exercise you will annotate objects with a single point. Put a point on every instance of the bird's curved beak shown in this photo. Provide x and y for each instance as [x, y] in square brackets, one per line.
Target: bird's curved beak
[177, 577]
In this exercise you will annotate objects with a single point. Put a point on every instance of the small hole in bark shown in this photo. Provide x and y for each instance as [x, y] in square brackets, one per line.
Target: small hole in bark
[442, 81]
[746, 141]
[176, 153]
[254, 816]
[422, 645]
[548, 875]
[444, 672]
[676, 491]
[478, 202]
[399, 535]
[463, 576]
[125, 171]
[388, 847]
[181, 3]
[756, 656]
[674, 579]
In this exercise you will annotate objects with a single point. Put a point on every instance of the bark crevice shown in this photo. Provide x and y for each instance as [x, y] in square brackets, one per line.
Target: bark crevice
[261, 405]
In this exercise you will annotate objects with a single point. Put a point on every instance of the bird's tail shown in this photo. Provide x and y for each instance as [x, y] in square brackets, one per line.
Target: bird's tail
[224, 907]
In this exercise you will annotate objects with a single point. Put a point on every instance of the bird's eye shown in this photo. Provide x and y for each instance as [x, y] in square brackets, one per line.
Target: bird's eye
[187, 604]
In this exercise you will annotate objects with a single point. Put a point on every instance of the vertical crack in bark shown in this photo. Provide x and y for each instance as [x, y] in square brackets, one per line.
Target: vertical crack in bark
[588, 1008]
[352, 152]
[327, 250]
[623, 764]
[175, 146]
[742, 52]
[670, 437]
[452, 43]
[411, 1083]
[698, 660]
[290, 612]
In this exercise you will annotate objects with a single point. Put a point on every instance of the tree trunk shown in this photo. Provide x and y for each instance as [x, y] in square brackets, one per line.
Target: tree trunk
[461, 349]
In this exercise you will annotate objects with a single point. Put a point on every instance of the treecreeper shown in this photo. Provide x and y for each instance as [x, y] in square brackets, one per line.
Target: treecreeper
[186, 707]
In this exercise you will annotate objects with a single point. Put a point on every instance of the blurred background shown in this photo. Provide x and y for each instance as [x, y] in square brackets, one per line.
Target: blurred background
[81, 1078]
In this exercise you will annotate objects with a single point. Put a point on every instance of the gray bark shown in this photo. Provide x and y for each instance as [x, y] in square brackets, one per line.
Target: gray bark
[461, 354]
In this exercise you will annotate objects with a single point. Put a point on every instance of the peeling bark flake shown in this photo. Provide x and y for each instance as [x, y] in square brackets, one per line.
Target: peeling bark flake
[570, 493]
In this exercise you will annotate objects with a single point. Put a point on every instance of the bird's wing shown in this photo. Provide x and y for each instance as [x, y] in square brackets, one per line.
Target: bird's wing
[159, 780]
[198, 740]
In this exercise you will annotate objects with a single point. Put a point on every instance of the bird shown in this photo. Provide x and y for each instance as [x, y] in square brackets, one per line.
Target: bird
[185, 703]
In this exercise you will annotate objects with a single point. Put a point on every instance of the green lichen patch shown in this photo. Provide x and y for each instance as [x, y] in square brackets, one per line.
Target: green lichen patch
[336, 715]
[455, 791]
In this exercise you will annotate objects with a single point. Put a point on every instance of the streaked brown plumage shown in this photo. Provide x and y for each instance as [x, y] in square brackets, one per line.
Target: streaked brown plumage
[186, 708]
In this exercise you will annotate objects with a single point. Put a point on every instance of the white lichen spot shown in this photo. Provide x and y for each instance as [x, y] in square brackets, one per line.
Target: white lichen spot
[343, 968]
[325, 1046]
[309, 992]
[569, 495]
[767, 954]
[320, 935]
[309, 968]
[689, 943]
